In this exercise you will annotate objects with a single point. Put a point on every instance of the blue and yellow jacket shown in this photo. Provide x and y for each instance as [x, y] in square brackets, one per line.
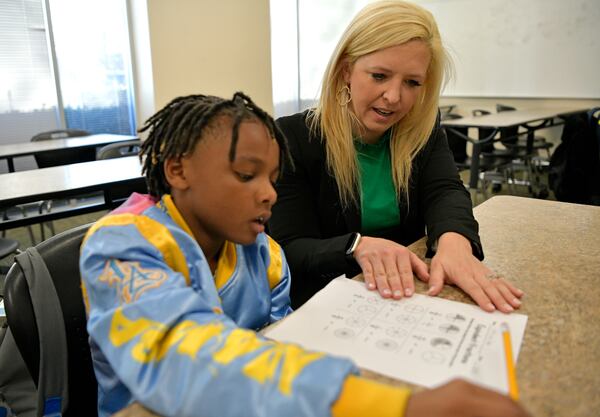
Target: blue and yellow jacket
[168, 334]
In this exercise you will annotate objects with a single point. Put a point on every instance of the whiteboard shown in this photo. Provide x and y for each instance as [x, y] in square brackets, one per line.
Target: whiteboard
[521, 48]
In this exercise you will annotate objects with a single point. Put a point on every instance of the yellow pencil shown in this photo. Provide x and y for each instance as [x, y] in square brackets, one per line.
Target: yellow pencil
[513, 389]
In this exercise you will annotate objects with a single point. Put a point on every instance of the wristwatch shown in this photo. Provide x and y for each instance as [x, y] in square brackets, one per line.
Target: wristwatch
[352, 244]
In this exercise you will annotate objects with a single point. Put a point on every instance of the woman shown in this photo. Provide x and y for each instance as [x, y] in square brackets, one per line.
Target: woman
[373, 171]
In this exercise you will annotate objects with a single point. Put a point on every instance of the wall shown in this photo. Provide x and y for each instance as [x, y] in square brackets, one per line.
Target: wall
[521, 48]
[141, 61]
[210, 47]
[522, 53]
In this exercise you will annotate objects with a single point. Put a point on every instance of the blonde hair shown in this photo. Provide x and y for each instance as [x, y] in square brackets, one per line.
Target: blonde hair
[378, 26]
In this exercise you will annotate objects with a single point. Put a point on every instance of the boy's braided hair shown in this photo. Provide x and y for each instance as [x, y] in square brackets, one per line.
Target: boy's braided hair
[176, 128]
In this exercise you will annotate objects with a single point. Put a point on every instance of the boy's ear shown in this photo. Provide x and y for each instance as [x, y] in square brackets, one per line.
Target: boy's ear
[175, 173]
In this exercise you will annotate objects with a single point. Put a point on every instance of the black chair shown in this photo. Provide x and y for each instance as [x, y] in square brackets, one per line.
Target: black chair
[484, 132]
[56, 158]
[528, 147]
[517, 156]
[494, 165]
[594, 119]
[483, 168]
[27, 210]
[513, 140]
[489, 150]
[574, 173]
[63, 156]
[457, 145]
[119, 149]
[447, 111]
[120, 193]
[456, 141]
[61, 255]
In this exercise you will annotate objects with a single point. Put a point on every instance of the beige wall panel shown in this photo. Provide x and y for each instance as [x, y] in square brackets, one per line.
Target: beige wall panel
[210, 47]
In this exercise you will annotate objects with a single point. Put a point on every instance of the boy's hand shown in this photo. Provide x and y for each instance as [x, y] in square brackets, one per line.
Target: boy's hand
[462, 399]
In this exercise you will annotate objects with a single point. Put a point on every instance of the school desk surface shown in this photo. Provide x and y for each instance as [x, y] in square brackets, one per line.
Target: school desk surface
[551, 250]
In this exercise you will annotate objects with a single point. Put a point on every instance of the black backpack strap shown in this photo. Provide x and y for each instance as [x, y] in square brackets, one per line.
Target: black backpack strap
[53, 375]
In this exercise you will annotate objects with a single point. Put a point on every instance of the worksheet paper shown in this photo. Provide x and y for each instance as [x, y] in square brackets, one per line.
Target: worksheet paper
[420, 339]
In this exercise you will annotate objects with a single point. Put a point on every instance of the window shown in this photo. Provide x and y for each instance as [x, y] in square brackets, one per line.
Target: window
[28, 101]
[92, 48]
[64, 64]
[303, 36]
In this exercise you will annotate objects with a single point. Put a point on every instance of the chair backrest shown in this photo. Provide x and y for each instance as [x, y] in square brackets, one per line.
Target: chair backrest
[119, 192]
[484, 132]
[508, 135]
[119, 149]
[457, 144]
[575, 164]
[62, 156]
[61, 256]
[7, 246]
[59, 134]
[594, 116]
[504, 107]
[444, 110]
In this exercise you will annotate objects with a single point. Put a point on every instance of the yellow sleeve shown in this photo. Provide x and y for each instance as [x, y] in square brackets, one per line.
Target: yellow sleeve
[363, 397]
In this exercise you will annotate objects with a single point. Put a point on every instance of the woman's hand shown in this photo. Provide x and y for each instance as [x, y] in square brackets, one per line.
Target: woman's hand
[462, 399]
[389, 266]
[454, 263]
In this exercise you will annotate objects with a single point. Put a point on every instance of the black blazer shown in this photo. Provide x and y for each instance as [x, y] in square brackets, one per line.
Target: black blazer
[309, 221]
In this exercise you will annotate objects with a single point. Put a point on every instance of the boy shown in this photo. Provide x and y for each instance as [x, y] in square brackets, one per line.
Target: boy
[175, 281]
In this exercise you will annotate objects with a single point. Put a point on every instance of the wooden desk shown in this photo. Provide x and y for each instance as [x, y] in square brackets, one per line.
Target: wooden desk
[550, 250]
[68, 181]
[530, 119]
[13, 150]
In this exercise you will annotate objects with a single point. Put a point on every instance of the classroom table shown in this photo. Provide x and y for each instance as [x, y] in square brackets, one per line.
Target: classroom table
[10, 151]
[551, 250]
[69, 181]
[531, 119]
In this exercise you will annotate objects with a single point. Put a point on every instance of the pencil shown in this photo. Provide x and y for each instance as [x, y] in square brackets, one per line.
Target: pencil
[513, 389]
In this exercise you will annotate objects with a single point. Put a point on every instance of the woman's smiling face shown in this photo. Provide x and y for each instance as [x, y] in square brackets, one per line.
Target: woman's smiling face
[385, 85]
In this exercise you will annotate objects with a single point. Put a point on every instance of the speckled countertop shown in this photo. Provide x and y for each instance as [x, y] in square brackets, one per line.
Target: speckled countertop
[550, 250]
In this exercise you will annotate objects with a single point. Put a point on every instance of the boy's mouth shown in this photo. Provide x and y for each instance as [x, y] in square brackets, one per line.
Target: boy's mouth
[263, 219]
[259, 223]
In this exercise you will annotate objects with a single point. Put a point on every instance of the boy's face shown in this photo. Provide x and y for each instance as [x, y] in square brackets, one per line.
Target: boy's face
[223, 200]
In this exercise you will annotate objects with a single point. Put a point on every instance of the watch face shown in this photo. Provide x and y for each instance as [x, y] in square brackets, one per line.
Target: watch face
[353, 243]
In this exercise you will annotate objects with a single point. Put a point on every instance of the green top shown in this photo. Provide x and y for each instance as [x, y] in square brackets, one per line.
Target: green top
[379, 205]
